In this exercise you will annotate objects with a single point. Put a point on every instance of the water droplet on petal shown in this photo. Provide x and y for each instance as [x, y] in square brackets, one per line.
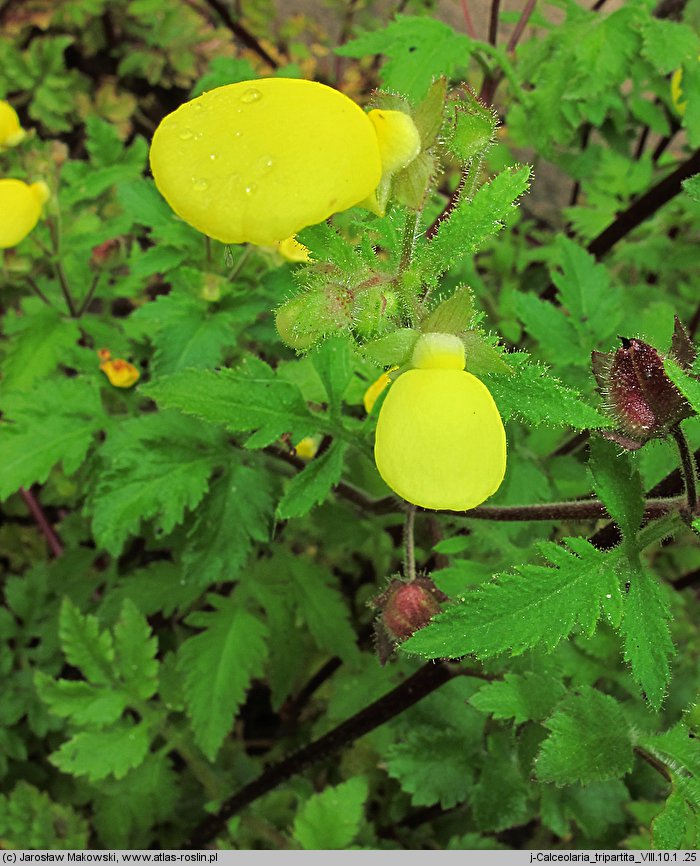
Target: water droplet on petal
[212, 156]
[265, 163]
[200, 184]
[186, 134]
[252, 94]
[250, 189]
[237, 133]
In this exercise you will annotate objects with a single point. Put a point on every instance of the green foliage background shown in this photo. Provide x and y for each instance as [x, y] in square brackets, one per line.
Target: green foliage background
[187, 602]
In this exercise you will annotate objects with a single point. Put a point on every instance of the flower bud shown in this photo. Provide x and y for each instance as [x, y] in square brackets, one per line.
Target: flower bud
[638, 393]
[304, 320]
[404, 608]
[373, 311]
[11, 132]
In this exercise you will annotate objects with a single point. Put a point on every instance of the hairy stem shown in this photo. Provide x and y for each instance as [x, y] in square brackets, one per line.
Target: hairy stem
[409, 561]
[54, 542]
[687, 467]
[424, 681]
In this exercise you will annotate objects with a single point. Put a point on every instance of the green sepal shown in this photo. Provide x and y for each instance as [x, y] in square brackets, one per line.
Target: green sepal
[394, 349]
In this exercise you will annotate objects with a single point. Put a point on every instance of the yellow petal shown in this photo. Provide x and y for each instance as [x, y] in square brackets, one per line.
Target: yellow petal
[376, 389]
[120, 373]
[440, 442]
[398, 138]
[11, 132]
[259, 160]
[20, 209]
[679, 103]
[291, 250]
[307, 448]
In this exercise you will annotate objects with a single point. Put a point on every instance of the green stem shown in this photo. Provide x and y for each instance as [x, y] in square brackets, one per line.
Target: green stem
[37, 291]
[239, 264]
[55, 233]
[409, 240]
[687, 468]
[88, 298]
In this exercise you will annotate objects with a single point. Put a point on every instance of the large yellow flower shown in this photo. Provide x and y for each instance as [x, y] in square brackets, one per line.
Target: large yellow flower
[440, 441]
[255, 162]
[20, 209]
[11, 132]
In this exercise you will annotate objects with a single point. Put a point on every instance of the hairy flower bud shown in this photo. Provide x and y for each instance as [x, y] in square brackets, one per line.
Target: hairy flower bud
[304, 320]
[638, 393]
[373, 311]
[404, 608]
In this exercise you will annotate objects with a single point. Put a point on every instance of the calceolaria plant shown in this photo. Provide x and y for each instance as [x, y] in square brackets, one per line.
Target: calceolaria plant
[349, 467]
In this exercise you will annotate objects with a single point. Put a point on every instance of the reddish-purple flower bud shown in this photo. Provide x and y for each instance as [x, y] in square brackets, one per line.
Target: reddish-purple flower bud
[404, 608]
[638, 393]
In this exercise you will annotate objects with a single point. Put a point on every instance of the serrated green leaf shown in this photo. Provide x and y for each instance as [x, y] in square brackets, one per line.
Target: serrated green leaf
[645, 630]
[314, 483]
[329, 821]
[186, 333]
[473, 221]
[217, 666]
[79, 701]
[593, 807]
[552, 329]
[418, 49]
[250, 398]
[672, 825]
[333, 363]
[39, 342]
[499, 798]
[668, 43]
[538, 397]
[236, 512]
[585, 290]
[125, 809]
[98, 754]
[521, 697]
[534, 606]
[589, 741]
[618, 485]
[320, 606]
[679, 750]
[686, 384]
[29, 819]
[135, 653]
[156, 467]
[67, 411]
[692, 187]
[85, 646]
[432, 766]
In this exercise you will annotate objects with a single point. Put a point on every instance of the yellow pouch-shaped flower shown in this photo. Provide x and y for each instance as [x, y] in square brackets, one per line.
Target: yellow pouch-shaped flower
[440, 441]
[11, 132]
[259, 160]
[20, 209]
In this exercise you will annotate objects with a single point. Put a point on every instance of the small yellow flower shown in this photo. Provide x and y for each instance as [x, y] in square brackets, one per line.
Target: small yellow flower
[376, 389]
[257, 161]
[20, 209]
[308, 447]
[291, 250]
[120, 373]
[440, 441]
[11, 133]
